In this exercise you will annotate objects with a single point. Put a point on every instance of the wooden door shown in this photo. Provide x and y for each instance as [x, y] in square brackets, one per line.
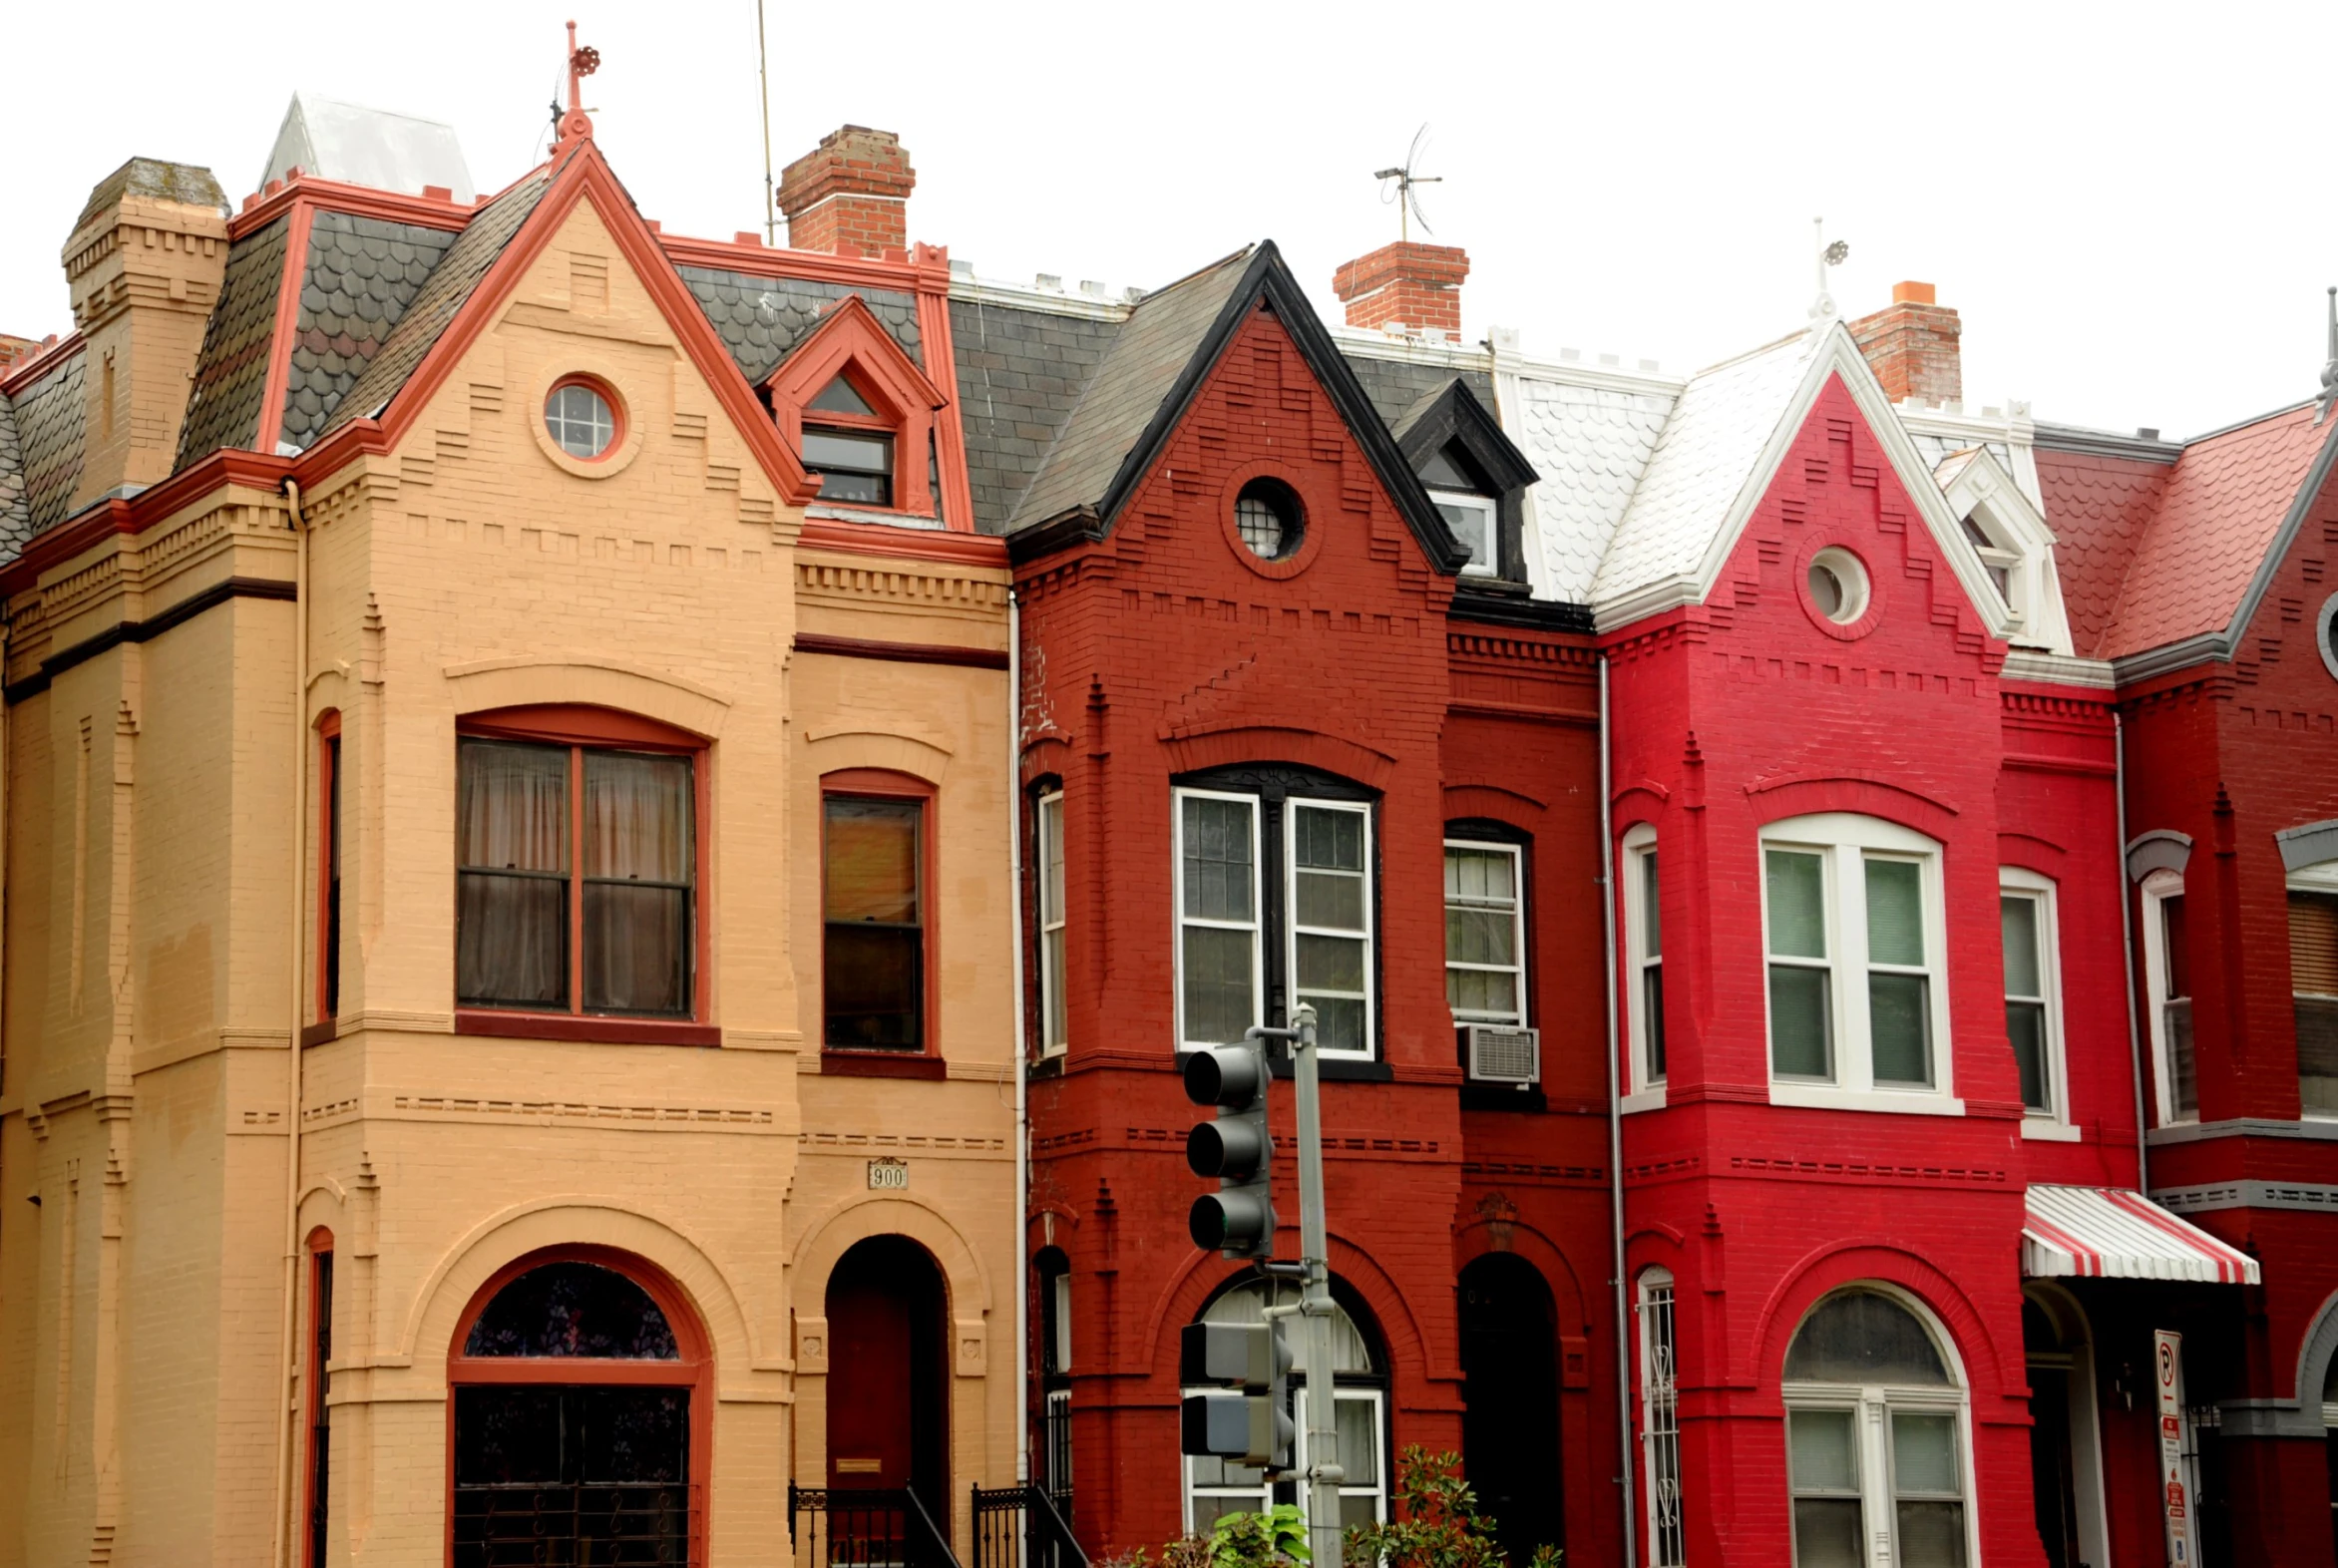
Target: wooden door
[870, 1333]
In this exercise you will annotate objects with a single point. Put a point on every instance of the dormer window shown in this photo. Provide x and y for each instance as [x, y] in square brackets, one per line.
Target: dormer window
[1467, 510]
[860, 411]
[2009, 538]
[1999, 561]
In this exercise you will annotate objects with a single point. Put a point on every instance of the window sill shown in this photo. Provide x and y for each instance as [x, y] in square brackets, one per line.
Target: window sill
[573, 1027]
[883, 517]
[881, 1064]
[1910, 1102]
[1648, 1099]
[318, 1033]
[1336, 1069]
[1526, 1098]
[2045, 1129]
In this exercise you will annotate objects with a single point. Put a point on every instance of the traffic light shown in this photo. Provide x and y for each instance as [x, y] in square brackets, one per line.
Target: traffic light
[1239, 1218]
[1250, 1428]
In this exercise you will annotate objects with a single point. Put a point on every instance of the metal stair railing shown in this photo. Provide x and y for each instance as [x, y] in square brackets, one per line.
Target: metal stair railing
[864, 1527]
[1022, 1527]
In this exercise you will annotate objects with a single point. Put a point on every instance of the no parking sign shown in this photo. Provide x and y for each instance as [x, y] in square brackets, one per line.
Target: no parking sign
[2183, 1543]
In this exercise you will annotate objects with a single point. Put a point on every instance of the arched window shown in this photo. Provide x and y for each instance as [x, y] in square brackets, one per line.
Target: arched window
[2167, 979]
[1360, 1392]
[1875, 1438]
[1659, 1420]
[579, 1417]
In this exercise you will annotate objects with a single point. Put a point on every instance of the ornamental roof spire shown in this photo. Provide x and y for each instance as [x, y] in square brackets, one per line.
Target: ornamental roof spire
[576, 123]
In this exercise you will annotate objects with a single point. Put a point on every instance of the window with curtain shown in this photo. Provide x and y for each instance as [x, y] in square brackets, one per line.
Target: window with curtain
[1853, 925]
[1054, 1028]
[1359, 1385]
[1485, 932]
[2168, 981]
[2033, 1012]
[1875, 1440]
[874, 964]
[576, 871]
[2313, 985]
[1275, 892]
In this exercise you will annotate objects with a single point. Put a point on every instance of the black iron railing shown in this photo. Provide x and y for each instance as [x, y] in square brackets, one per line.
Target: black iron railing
[864, 1527]
[1022, 1527]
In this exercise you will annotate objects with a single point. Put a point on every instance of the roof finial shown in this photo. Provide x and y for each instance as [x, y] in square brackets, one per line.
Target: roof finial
[1826, 255]
[582, 64]
[2330, 370]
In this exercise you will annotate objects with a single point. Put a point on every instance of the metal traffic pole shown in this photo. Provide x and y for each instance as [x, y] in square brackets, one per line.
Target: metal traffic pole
[1324, 1473]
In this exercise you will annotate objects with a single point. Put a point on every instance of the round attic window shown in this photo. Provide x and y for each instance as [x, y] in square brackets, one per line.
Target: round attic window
[581, 419]
[2326, 639]
[1269, 518]
[1839, 586]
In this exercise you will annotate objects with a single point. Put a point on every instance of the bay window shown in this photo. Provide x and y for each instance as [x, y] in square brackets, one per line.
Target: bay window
[1274, 877]
[1853, 936]
[576, 879]
[1485, 932]
[873, 961]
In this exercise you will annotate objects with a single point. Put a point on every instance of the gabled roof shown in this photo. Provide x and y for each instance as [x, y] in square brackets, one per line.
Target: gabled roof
[1020, 372]
[1451, 413]
[2230, 505]
[762, 319]
[1169, 345]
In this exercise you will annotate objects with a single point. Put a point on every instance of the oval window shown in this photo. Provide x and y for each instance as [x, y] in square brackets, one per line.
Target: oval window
[1839, 586]
[580, 420]
[1267, 515]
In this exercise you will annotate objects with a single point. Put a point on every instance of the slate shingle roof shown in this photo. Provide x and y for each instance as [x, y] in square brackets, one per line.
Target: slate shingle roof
[1396, 387]
[49, 416]
[2225, 501]
[762, 319]
[1153, 348]
[231, 372]
[435, 307]
[363, 274]
[1019, 374]
[2097, 507]
[15, 513]
[1591, 445]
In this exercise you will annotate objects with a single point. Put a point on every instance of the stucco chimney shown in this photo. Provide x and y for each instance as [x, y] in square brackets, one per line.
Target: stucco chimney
[1912, 346]
[1408, 283]
[850, 195]
[143, 267]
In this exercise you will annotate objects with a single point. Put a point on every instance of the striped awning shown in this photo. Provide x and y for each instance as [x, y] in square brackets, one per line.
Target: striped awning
[2108, 1233]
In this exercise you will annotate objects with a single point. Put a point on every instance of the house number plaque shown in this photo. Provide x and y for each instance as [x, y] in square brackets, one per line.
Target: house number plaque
[888, 1173]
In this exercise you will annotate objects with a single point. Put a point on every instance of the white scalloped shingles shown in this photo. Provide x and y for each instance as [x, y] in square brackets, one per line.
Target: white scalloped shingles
[1590, 444]
[1724, 418]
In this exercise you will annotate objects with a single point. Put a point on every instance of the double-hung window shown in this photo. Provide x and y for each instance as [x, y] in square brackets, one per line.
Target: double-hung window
[1485, 932]
[1054, 1030]
[2313, 984]
[2167, 983]
[576, 879]
[1853, 934]
[2033, 1004]
[1643, 958]
[874, 962]
[1275, 895]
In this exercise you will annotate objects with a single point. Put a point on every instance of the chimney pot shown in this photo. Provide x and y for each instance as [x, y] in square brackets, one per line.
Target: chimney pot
[1912, 346]
[850, 195]
[1409, 282]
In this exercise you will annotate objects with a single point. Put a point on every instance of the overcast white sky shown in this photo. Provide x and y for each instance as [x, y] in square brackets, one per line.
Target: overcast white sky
[2128, 205]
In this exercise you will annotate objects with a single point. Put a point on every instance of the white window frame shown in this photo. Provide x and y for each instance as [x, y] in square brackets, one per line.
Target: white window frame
[1060, 1285]
[1491, 565]
[1055, 1000]
[1264, 1493]
[1179, 918]
[1517, 855]
[1660, 1418]
[2158, 888]
[1844, 841]
[2053, 1125]
[1872, 1407]
[1647, 1085]
[1291, 930]
[2319, 878]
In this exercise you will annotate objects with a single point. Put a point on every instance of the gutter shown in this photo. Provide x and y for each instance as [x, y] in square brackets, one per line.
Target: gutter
[1607, 890]
[280, 1534]
[2126, 938]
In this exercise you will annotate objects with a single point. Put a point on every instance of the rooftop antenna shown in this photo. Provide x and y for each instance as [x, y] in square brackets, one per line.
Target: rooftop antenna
[763, 81]
[1826, 254]
[582, 64]
[1408, 209]
[2330, 370]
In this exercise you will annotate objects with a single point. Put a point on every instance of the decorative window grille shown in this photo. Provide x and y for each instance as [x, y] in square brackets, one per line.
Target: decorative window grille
[1660, 1423]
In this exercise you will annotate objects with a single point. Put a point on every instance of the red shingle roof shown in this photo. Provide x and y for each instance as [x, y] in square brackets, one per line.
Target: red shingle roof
[2096, 507]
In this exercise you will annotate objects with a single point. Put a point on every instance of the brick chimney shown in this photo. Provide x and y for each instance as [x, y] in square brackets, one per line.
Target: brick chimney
[1912, 346]
[143, 267]
[15, 352]
[1408, 283]
[850, 195]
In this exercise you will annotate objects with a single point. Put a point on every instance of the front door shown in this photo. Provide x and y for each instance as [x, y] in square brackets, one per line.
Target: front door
[2052, 1476]
[887, 1416]
[1510, 1394]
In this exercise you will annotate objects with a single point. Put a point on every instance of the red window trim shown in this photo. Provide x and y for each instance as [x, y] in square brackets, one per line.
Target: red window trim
[617, 421]
[580, 726]
[320, 1247]
[853, 343]
[692, 1371]
[328, 773]
[926, 1062]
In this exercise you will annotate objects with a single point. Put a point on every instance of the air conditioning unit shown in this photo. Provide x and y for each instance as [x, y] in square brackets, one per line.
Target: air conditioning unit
[1499, 1053]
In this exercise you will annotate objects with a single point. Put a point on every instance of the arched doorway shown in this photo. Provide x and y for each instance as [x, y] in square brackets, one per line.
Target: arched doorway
[1510, 1395]
[578, 1416]
[888, 1383]
[2065, 1479]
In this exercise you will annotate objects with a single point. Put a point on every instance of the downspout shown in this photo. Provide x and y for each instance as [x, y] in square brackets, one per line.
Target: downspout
[1607, 890]
[2126, 938]
[1022, 1152]
[280, 1544]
